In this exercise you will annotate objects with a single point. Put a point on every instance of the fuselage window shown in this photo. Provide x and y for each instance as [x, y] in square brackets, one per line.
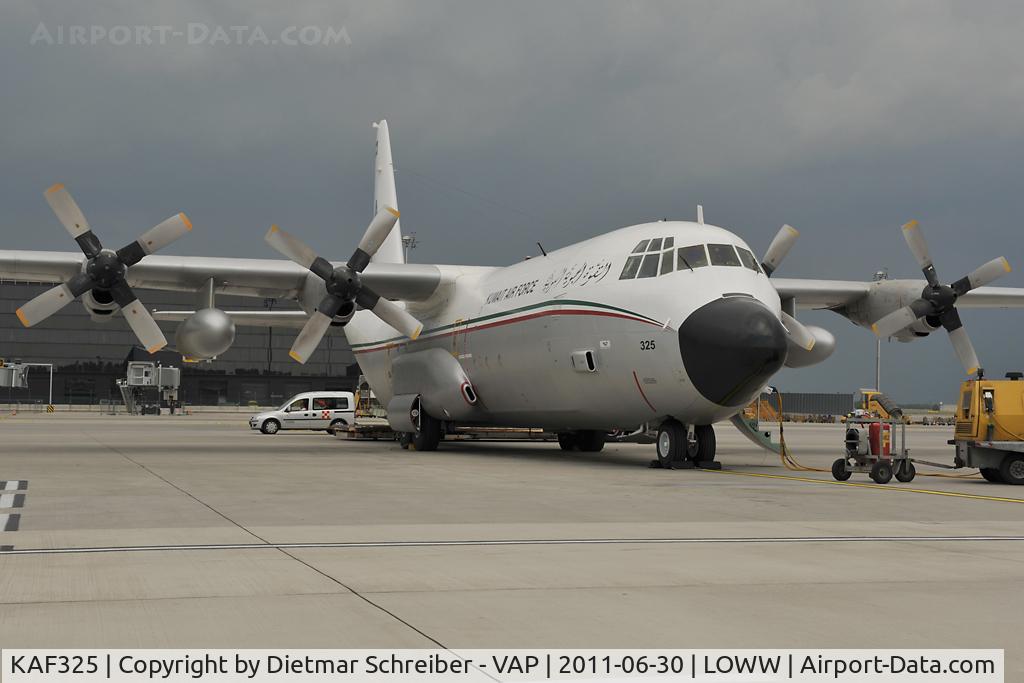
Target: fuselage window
[649, 268]
[667, 261]
[748, 259]
[655, 245]
[692, 257]
[632, 265]
[641, 248]
[723, 255]
[669, 243]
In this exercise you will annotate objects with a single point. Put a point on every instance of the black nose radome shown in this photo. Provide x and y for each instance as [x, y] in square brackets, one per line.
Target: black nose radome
[730, 348]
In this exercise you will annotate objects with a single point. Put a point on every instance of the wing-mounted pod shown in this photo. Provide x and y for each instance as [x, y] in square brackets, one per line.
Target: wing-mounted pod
[208, 332]
[432, 380]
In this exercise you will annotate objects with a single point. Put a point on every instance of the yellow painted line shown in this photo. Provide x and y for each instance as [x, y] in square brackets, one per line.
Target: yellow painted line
[883, 487]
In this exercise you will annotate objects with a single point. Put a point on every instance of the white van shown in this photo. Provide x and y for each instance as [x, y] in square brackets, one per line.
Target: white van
[312, 410]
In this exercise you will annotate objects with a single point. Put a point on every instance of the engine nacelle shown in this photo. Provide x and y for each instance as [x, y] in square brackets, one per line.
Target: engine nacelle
[205, 334]
[921, 328]
[885, 297]
[824, 345]
[313, 292]
[99, 304]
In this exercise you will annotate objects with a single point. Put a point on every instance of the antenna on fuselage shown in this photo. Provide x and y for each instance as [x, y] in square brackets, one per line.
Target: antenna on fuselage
[700, 215]
[542, 249]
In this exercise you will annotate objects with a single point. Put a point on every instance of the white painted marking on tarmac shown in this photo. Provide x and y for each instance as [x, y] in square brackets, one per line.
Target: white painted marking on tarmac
[521, 542]
[13, 485]
[9, 522]
[12, 500]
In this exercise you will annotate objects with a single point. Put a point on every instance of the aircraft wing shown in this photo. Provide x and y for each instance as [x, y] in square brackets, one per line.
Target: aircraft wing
[841, 293]
[239, 276]
[295, 319]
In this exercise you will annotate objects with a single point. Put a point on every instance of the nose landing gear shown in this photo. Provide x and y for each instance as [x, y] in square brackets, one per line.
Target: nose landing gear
[682, 447]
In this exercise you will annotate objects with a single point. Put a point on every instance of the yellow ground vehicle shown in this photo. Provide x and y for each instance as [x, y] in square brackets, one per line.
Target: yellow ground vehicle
[877, 403]
[990, 427]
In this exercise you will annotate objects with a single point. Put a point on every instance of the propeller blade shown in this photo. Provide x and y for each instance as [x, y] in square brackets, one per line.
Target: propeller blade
[378, 230]
[309, 338]
[892, 323]
[155, 239]
[52, 300]
[961, 342]
[784, 240]
[981, 276]
[389, 312]
[798, 334]
[68, 213]
[295, 249]
[138, 318]
[915, 240]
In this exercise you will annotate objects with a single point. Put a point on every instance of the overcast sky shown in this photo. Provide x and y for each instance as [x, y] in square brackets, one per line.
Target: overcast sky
[550, 121]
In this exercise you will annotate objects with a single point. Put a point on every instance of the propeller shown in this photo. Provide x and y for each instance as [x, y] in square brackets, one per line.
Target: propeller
[104, 269]
[344, 287]
[784, 240]
[798, 334]
[937, 300]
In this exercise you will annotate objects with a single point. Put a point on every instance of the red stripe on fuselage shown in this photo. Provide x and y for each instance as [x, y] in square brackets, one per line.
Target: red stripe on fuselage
[510, 321]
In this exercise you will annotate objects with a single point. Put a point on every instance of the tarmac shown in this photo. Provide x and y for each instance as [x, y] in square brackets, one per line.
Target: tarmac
[193, 531]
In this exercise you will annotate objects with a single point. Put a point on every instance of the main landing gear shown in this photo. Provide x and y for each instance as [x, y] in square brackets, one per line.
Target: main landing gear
[428, 434]
[682, 447]
[587, 440]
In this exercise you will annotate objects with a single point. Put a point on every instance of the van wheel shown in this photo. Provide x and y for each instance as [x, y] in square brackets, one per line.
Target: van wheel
[337, 424]
[270, 426]
[429, 434]
[590, 440]
[1012, 469]
[992, 474]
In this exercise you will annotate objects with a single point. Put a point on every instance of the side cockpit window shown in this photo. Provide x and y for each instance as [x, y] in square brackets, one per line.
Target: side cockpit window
[692, 257]
[748, 259]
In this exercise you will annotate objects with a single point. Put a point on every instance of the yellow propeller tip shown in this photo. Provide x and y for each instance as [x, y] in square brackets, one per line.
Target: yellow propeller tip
[154, 349]
[274, 228]
[296, 356]
[22, 318]
[393, 212]
[874, 328]
[416, 333]
[55, 188]
[910, 225]
[185, 220]
[1006, 265]
[972, 371]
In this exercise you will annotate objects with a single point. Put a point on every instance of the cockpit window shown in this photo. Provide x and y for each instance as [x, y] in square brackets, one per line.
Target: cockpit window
[668, 259]
[632, 265]
[692, 257]
[649, 267]
[723, 255]
[641, 248]
[669, 242]
[655, 245]
[748, 259]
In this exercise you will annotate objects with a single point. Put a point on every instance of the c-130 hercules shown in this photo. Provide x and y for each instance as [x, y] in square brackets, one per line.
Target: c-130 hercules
[673, 325]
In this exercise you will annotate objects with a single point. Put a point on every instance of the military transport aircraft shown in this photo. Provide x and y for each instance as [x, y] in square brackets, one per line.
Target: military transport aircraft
[672, 325]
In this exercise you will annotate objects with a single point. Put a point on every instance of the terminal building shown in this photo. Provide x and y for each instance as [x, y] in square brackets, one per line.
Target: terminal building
[89, 357]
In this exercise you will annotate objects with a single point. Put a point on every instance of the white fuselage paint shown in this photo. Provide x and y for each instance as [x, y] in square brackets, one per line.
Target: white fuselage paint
[514, 330]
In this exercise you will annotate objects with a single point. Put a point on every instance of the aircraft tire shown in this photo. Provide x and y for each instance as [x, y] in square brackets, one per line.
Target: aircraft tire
[671, 443]
[992, 474]
[429, 434]
[590, 440]
[706, 443]
[567, 441]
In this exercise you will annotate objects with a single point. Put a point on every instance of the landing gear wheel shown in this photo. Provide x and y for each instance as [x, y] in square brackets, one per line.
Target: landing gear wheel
[567, 441]
[429, 434]
[881, 472]
[270, 426]
[1012, 469]
[839, 472]
[405, 440]
[590, 440]
[706, 444]
[671, 443]
[992, 474]
[906, 472]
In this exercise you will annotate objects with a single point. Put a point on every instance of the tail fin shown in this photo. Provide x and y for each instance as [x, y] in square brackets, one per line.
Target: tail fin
[385, 194]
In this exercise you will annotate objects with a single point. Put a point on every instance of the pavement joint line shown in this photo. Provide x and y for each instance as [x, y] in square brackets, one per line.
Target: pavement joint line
[356, 545]
[266, 544]
[858, 484]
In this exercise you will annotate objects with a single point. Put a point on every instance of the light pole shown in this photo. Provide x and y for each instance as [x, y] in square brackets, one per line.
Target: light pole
[409, 242]
[879, 276]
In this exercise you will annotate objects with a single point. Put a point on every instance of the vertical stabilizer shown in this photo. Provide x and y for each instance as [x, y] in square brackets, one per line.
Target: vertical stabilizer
[385, 194]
